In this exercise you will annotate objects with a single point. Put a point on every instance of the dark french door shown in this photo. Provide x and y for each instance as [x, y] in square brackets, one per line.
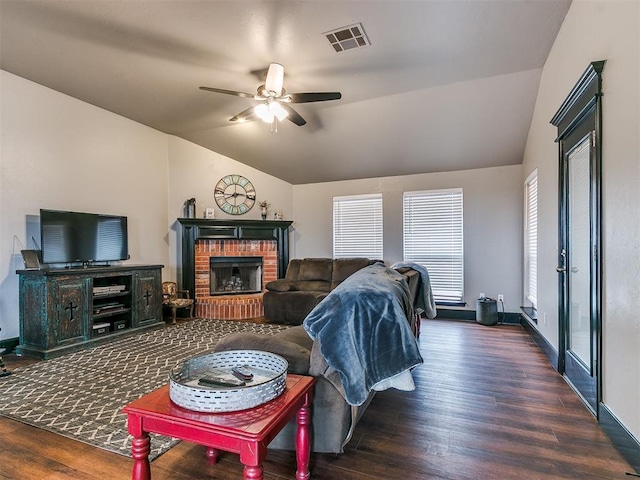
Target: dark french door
[579, 259]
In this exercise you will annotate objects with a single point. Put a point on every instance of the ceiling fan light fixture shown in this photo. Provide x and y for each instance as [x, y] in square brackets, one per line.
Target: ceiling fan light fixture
[274, 100]
[263, 113]
[267, 112]
[278, 110]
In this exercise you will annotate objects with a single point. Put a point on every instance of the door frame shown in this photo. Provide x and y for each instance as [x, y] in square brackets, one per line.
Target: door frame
[583, 104]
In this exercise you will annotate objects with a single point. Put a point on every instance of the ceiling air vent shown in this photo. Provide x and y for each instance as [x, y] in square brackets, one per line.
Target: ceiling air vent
[347, 38]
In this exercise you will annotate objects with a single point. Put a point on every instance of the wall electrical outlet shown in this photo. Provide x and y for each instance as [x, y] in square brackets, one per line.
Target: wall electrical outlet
[501, 298]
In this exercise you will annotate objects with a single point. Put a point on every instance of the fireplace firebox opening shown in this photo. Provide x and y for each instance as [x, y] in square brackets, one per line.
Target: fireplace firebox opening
[235, 275]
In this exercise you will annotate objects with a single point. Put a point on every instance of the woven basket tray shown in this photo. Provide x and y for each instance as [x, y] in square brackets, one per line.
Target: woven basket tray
[269, 376]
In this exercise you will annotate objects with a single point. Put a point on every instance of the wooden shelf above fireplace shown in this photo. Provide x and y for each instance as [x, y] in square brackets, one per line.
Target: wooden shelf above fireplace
[200, 228]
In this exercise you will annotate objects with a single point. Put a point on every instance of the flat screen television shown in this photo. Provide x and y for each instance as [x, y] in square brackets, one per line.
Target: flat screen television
[87, 238]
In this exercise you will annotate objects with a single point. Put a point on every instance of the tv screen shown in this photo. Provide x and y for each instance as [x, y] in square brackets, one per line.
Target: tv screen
[71, 237]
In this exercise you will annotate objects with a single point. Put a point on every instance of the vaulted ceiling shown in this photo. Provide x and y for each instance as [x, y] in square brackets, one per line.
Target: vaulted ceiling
[444, 85]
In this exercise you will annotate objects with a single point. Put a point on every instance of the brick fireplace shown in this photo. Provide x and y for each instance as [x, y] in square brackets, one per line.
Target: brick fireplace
[204, 238]
[236, 306]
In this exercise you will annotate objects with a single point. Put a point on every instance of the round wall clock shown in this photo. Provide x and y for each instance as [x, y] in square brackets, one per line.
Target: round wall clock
[235, 194]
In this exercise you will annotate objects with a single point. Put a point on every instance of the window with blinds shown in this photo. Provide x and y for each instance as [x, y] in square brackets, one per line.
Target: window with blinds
[357, 226]
[433, 238]
[531, 238]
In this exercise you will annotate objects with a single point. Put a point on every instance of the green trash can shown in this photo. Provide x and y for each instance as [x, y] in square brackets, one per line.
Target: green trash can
[487, 311]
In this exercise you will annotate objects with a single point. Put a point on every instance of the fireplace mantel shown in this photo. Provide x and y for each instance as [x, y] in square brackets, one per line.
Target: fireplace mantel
[199, 228]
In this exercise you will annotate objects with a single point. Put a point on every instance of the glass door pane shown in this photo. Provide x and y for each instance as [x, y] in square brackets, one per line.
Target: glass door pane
[579, 259]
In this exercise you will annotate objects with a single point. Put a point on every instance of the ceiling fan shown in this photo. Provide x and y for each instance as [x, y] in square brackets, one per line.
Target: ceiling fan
[274, 100]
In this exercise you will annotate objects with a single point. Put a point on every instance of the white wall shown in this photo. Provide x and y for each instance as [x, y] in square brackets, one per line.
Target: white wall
[598, 30]
[193, 173]
[493, 203]
[61, 153]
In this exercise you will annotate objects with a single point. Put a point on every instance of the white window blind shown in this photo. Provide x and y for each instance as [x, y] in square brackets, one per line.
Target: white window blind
[357, 226]
[531, 238]
[433, 238]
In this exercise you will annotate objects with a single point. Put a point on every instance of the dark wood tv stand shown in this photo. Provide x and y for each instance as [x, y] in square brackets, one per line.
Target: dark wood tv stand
[63, 310]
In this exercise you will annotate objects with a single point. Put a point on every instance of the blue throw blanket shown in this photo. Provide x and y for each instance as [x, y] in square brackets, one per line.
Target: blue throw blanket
[426, 300]
[363, 330]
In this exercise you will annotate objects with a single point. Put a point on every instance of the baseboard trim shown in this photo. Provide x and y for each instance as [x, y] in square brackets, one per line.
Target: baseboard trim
[507, 318]
[624, 441]
[542, 343]
[10, 344]
[455, 314]
[510, 318]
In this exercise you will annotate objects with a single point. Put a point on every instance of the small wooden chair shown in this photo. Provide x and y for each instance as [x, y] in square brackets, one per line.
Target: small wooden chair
[171, 298]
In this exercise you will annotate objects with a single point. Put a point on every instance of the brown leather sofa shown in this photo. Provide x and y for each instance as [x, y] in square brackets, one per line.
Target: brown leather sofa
[306, 283]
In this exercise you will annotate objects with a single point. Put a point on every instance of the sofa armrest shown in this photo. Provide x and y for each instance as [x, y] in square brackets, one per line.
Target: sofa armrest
[296, 355]
[280, 285]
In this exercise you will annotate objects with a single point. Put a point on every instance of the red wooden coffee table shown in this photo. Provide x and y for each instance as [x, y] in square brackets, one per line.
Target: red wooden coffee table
[247, 432]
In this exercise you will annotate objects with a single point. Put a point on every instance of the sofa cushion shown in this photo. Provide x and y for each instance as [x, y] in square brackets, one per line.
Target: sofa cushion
[290, 307]
[313, 286]
[345, 267]
[315, 269]
[293, 269]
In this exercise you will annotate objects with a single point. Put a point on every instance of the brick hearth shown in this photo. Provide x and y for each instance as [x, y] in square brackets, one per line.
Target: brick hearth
[232, 307]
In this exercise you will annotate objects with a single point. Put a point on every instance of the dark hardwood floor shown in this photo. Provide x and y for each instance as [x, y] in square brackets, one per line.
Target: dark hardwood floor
[487, 406]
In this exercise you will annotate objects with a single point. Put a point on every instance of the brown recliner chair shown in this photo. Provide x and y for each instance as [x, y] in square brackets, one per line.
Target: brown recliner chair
[306, 283]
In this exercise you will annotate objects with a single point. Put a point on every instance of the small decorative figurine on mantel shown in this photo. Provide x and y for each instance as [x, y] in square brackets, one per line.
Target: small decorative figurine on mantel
[264, 207]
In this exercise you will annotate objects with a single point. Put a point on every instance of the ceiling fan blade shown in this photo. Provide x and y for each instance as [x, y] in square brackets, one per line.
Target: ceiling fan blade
[228, 92]
[293, 115]
[314, 97]
[275, 78]
[245, 116]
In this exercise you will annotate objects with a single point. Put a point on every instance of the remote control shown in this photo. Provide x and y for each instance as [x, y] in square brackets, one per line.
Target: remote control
[242, 372]
[220, 381]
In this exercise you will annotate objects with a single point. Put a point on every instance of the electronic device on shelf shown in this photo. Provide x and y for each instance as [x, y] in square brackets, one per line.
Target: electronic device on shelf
[109, 290]
[108, 308]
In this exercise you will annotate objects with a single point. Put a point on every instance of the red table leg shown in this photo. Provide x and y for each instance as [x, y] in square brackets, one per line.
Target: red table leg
[212, 455]
[140, 447]
[253, 473]
[303, 445]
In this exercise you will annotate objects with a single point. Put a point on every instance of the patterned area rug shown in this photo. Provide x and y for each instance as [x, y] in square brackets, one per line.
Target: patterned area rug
[81, 395]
